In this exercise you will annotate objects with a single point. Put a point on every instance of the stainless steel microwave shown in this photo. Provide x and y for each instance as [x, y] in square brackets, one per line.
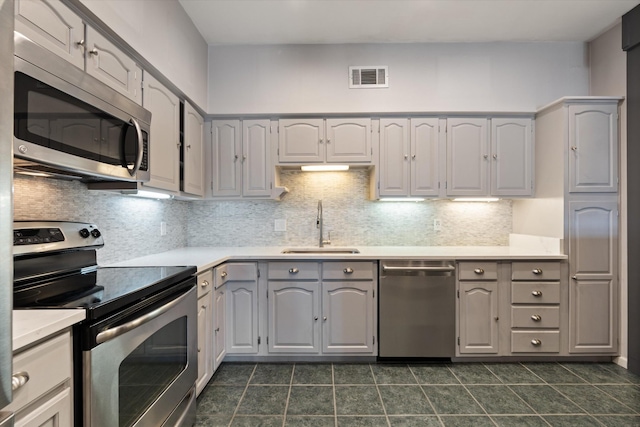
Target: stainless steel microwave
[69, 124]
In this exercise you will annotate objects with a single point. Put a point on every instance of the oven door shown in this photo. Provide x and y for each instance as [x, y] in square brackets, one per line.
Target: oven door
[143, 369]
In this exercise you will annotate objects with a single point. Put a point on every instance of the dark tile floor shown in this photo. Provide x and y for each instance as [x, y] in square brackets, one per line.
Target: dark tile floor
[372, 395]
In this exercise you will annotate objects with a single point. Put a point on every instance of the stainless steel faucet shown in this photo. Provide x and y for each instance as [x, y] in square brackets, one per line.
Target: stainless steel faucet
[321, 240]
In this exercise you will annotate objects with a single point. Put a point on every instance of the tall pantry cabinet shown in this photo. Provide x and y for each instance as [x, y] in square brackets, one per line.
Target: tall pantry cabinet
[577, 200]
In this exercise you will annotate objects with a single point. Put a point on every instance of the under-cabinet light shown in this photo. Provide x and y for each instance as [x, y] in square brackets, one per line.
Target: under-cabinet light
[150, 194]
[324, 168]
[402, 199]
[476, 199]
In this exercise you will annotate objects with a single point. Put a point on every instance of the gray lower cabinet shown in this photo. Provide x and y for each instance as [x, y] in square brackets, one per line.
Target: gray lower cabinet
[219, 326]
[205, 329]
[593, 287]
[478, 308]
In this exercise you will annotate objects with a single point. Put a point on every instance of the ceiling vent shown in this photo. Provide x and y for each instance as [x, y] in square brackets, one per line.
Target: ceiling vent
[362, 77]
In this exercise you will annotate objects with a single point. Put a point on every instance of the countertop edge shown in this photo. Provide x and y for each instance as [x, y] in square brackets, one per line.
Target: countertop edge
[32, 325]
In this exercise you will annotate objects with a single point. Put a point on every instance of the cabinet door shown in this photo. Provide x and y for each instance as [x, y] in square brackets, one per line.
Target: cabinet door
[425, 170]
[242, 317]
[219, 326]
[53, 25]
[347, 317]
[593, 295]
[294, 308]
[394, 157]
[349, 140]
[193, 151]
[511, 157]
[164, 152]
[479, 317]
[205, 343]
[467, 157]
[593, 148]
[256, 158]
[110, 65]
[55, 411]
[226, 162]
[301, 140]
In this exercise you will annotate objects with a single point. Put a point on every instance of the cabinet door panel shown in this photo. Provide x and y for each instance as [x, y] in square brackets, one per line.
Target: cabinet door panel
[511, 159]
[593, 148]
[301, 140]
[56, 411]
[394, 157]
[593, 239]
[347, 317]
[193, 150]
[478, 317]
[205, 343]
[164, 153]
[220, 325]
[592, 316]
[294, 308]
[425, 170]
[256, 158]
[467, 157]
[242, 317]
[52, 25]
[348, 140]
[227, 173]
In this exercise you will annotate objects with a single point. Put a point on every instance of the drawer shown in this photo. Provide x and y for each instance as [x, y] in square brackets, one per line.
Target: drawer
[292, 270]
[535, 341]
[236, 271]
[535, 292]
[478, 270]
[357, 270]
[48, 365]
[205, 282]
[535, 270]
[535, 317]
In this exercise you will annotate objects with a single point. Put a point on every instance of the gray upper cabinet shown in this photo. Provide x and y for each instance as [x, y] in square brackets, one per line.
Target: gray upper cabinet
[193, 151]
[593, 148]
[325, 141]
[425, 157]
[467, 157]
[394, 157]
[511, 157]
[164, 155]
[53, 25]
[226, 151]
[256, 158]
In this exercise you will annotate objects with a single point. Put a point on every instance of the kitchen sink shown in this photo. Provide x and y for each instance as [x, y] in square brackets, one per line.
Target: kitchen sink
[320, 251]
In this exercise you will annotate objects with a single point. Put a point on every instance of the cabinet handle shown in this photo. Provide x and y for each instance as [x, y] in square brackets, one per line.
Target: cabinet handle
[293, 270]
[324, 318]
[223, 274]
[536, 317]
[328, 141]
[244, 158]
[406, 156]
[204, 283]
[217, 329]
[478, 271]
[189, 147]
[486, 156]
[94, 52]
[19, 379]
[536, 293]
[348, 270]
[320, 141]
[80, 43]
[574, 148]
[315, 318]
[574, 277]
[413, 157]
[198, 349]
[536, 342]
[537, 271]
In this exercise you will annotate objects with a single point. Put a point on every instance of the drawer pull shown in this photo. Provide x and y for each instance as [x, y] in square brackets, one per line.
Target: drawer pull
[204, 283]
[478, 271]
[294, 270]
[536, 271]
[536, 317]
[315, 318]
[536, 342]
[19, 379]
[223, 274]
[348, 270]
[536, 293]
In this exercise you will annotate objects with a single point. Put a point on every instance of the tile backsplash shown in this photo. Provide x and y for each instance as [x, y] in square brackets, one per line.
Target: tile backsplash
[131, 226]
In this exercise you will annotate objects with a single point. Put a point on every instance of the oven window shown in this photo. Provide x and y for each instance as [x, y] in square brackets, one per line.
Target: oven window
[148, 370]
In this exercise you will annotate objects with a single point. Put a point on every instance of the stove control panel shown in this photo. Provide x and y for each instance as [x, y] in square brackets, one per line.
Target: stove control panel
[38, 235]
[30, 237]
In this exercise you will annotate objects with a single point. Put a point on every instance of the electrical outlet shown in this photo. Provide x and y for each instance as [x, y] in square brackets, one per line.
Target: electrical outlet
[163, 228]
[437, 226]
[280, 225]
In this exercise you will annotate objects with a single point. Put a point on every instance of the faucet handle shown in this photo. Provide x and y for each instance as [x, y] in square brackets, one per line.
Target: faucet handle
[328, 240]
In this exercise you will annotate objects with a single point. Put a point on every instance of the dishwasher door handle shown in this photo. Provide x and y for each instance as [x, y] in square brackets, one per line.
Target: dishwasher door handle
[433, 269]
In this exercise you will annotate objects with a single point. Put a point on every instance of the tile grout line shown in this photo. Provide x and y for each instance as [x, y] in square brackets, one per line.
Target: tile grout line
[286, 405]
[384, 409]
[335, 403]
[473, 397]
[614, 398]
[244, 392]
[426, 395]
[569, 399]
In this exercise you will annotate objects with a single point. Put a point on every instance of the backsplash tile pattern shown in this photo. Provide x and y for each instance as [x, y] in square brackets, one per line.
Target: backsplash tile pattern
[130, 226]
[348, 214]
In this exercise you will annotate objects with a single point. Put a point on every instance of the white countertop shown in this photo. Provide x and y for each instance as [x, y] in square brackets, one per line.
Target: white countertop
[30, 326]
[206, 257]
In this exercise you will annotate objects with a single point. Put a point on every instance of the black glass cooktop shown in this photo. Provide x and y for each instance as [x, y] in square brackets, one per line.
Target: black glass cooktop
[100, 291]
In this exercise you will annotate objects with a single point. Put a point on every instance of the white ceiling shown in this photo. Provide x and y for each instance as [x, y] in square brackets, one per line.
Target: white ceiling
[402, 21]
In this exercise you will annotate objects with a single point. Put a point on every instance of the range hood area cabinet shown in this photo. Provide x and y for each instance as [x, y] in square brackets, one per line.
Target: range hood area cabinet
[454, 157]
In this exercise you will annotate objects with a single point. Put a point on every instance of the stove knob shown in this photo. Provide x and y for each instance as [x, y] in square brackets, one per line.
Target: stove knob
[96, 233]
[84, 233]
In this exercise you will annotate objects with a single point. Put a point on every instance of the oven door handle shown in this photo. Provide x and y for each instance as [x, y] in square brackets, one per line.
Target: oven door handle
[112, 333]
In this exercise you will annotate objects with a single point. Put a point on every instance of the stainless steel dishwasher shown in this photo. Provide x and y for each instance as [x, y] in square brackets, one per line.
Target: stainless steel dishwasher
[417, 309]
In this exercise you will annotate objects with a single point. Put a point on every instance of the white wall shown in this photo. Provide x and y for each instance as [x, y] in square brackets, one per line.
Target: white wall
[608, 66]
[164, 35]
[422, 77]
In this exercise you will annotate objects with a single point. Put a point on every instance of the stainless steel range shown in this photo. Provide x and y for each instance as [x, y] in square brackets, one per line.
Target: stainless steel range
[135, 355]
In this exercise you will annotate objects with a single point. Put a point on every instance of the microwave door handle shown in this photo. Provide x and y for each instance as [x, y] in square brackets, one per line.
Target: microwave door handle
[133, 171]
